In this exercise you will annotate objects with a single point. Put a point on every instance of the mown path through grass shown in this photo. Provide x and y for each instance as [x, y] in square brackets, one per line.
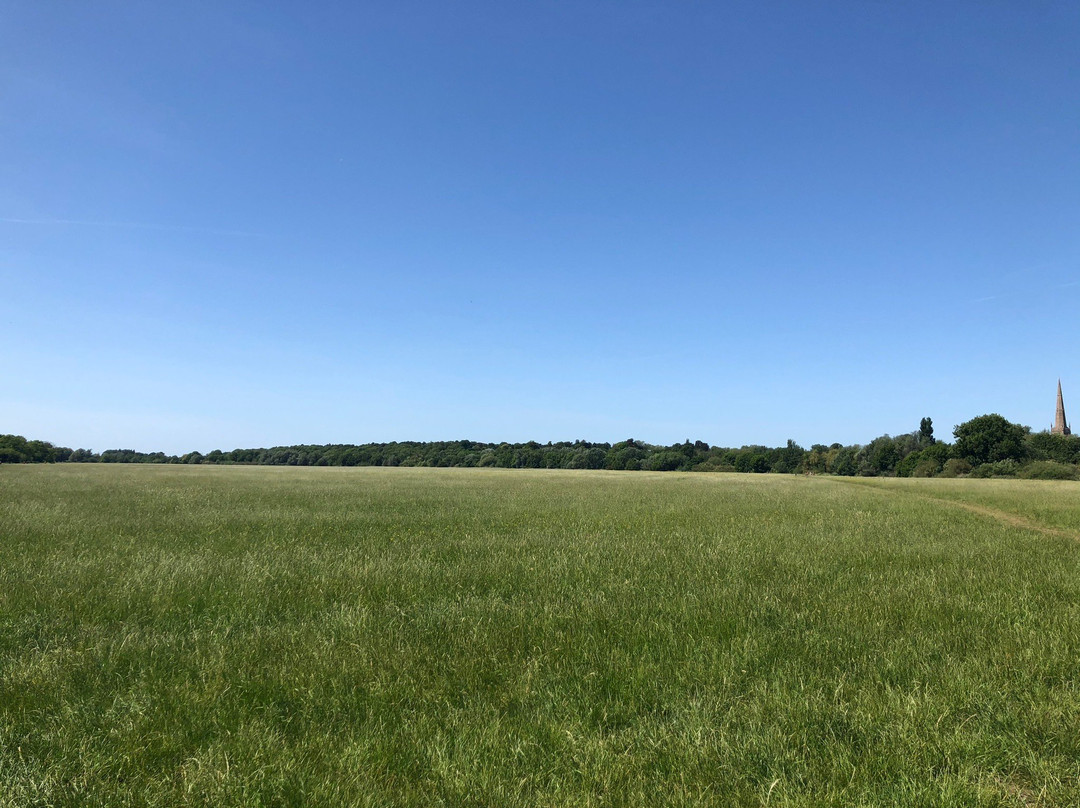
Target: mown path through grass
[404, 637]
[1006, 517]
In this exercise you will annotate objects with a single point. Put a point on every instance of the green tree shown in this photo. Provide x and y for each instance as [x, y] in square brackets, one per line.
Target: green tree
[625, 455]
[926, 432]
[879, 457]
[789, 459]
[666, 460]
[843, 463]
[817, 459]
[907, 466]
[928, 461]
[988, 439]
[1062, 448]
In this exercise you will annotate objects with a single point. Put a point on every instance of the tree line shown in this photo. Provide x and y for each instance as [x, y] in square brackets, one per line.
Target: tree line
[986, 446]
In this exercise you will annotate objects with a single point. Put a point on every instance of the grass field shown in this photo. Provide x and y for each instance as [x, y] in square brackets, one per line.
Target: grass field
[279, 636]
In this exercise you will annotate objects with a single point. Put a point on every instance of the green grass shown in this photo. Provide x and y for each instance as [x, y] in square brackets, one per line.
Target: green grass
[275, 636]
[1055, 504]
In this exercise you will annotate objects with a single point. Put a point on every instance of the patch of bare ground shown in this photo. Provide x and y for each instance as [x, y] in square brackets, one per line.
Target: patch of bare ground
[1019, 794]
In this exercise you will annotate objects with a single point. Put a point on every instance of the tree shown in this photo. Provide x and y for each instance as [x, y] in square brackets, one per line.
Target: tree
[988, 439]
[880, 456]
[843, 462]
[624, 455]
[1062, 448]
[789, 459]
[907, 466]
[666, 461]
[817, 460]
[926, 432]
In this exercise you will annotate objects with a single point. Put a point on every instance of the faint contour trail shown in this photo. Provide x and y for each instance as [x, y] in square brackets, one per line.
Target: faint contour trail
[1004, 517]
[1011, 519]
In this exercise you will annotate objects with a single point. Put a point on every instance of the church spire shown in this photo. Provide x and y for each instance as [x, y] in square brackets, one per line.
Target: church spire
[1060, 426]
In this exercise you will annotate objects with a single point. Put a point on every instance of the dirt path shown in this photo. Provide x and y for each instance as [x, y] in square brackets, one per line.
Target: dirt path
[1004, 517]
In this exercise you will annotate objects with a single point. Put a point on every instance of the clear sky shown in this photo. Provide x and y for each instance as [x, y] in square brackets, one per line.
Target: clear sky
[247, 224]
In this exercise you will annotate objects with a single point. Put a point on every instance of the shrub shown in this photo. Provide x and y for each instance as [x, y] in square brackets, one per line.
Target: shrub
[927, 468]
[1050, 470]
[713, 464]
[954, 467]
[1001, 468]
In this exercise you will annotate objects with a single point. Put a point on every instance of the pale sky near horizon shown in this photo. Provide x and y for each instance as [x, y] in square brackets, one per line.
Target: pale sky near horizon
[250, 224]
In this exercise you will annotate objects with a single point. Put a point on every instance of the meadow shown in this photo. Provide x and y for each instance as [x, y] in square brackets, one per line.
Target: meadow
[175, 636]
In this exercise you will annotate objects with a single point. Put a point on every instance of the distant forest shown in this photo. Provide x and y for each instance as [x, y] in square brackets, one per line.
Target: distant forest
[986, 446]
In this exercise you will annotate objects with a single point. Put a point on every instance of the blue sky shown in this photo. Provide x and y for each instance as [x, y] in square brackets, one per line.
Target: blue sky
[247, 224]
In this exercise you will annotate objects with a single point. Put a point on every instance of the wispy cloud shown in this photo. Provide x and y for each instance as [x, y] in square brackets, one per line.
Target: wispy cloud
[1026, 292]
[134, 225]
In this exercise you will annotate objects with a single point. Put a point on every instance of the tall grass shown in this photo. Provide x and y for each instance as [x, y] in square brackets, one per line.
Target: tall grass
[1051, 503]
[274, 636]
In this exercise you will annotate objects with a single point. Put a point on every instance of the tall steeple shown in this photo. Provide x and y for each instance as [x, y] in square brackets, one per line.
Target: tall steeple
[1060, 426]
